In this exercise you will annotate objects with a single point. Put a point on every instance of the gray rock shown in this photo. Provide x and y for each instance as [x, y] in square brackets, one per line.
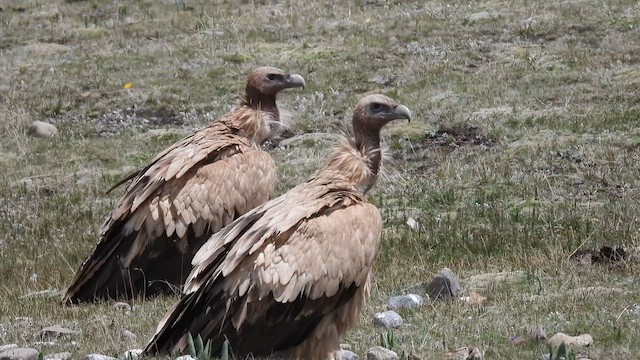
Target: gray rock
[52, 332]
[132, 354]
[404, 301]
[19, 354]
[8, 347]
[388, 319]
[380, 353]
[444, 285]
[349, 355]
[98, 357]
[128, 335]
[42, 129]
[58, 356]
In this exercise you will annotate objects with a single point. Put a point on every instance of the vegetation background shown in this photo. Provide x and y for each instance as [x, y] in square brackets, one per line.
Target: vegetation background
[525, 149]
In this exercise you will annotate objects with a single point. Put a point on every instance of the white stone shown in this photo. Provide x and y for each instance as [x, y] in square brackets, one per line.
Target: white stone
[42, 129]
[380, 353]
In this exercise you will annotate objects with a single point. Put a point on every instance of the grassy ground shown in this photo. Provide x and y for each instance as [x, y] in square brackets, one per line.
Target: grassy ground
[548, 91]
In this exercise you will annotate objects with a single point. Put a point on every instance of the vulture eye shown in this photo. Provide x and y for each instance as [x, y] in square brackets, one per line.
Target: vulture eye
[377, 107]
[272, 76]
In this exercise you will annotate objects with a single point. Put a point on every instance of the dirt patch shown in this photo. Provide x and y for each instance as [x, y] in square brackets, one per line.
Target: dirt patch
[456, 136]
[114, 122]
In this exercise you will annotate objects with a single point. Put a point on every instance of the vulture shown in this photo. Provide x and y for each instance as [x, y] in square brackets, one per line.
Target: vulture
[291, 276]
[186, 193]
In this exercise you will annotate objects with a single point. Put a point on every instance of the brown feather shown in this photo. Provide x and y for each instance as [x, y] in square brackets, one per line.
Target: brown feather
[290, 276]
[185, 194]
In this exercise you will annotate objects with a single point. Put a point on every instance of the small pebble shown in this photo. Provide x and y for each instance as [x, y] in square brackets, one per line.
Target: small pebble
[388, 319]
[404, 301]
[380, 353]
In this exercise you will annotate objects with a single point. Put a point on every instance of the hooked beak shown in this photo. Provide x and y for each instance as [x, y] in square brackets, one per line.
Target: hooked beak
[402, 112]
[295, 80]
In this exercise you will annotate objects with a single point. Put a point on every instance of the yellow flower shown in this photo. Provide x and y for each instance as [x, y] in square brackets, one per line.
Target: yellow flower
[128, 85]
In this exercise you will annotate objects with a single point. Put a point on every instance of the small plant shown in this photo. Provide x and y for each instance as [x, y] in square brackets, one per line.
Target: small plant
[197, 349]
[387, 340]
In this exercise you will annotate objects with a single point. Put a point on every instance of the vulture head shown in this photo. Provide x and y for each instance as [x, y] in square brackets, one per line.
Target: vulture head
[375, 111]
[265, 82]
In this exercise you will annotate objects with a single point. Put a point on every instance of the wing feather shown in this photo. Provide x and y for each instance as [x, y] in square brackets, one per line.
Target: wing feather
[157, 208]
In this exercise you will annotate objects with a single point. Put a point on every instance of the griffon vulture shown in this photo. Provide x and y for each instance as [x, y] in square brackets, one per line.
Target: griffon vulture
[188, 192]
[289, 277]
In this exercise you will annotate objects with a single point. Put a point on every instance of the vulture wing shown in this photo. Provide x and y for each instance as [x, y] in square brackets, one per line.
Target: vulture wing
[283, 272]
[189, 191]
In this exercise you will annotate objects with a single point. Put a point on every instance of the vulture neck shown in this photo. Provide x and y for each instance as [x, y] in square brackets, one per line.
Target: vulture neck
[259, 101]
[367, 142]
[358, 159]
[258, 119]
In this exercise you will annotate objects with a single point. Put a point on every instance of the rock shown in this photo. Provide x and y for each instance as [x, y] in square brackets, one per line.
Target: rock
[444, 285]
[483, 281]
[58, 356]
[413, 224]
[388, 319]
[8, 347]
[404, 301]
[380, 353]
[122, 306]
[52, 332]
[132, 354]
[581, 340]
[185, 357]
[464, 353]
[349, 355]
[19, 354]
[98, 357]
[128, 335]
[42, 129]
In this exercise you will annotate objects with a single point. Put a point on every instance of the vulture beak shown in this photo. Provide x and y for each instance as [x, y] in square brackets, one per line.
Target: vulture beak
[402, 112]
[295, 80]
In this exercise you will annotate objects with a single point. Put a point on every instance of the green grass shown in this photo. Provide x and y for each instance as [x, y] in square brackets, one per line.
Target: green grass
[552, 84]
